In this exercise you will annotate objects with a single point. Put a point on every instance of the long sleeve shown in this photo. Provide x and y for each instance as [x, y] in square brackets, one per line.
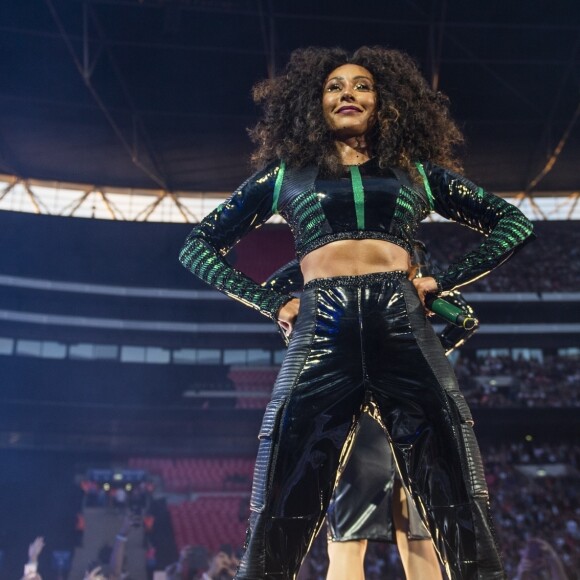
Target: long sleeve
[504, 226]
[210, 241]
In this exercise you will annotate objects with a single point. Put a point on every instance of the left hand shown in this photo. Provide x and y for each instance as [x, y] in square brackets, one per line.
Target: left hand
[425, 286]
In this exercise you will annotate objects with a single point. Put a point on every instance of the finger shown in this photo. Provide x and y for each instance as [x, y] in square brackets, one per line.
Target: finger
[421, 294]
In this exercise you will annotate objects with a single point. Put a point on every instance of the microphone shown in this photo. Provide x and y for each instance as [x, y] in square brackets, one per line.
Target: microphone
[450, 312]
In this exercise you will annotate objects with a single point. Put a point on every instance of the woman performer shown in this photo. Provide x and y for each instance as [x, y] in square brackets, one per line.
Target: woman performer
[351, 149]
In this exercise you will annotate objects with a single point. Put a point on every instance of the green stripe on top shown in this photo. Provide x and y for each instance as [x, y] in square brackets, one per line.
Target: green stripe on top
[359, 196]
[421, 170]
[278, 186]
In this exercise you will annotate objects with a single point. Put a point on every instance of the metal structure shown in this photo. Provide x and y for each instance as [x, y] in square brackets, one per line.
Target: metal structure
[84, 32]
[160, 205]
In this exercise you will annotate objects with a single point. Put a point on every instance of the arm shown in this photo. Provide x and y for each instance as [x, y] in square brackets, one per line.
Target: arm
[287, 279]
[209, 242]
[552, 561]
[451, 336]
[537, 557]
[120, 543]
[30, 568]
[505, 227]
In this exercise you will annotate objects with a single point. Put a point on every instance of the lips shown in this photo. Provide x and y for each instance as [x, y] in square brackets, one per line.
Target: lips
[349, 109]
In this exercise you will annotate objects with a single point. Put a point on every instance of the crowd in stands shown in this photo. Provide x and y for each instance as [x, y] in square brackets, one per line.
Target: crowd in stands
[503, 381]
[544, 507]
[491, 381]
[535, 501]
[528, 511]
[551, 263]
[111, 567]
[196, 563]
[536, 511]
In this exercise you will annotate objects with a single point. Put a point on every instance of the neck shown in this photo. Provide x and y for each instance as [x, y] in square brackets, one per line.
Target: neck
[353, 150]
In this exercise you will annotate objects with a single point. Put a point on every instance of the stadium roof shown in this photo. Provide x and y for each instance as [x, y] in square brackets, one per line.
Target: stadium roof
[155, 94]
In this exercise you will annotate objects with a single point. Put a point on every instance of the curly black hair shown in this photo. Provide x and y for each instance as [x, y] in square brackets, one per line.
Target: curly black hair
[413, 121]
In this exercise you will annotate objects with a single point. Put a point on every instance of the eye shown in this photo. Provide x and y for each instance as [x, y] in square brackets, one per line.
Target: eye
[333, 87]
[363, 87]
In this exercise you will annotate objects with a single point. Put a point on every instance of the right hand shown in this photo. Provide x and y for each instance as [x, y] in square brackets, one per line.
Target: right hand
[287, 315]
[131, 520]
[94, 574]
[35, 548]
[424, 286]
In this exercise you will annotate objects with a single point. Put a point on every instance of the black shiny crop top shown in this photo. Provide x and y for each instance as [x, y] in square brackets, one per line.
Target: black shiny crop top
[368, 203]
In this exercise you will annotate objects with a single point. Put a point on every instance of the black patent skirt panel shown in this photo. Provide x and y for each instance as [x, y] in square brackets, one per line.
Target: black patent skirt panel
[361, 507]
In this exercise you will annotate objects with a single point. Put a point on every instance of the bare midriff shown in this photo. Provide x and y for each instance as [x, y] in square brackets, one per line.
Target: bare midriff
[354, 258]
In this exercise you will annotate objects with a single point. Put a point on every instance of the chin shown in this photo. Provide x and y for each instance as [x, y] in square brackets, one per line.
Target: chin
[355, 127]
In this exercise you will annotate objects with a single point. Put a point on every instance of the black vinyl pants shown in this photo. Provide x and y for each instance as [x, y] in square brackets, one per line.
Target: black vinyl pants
[359, 339]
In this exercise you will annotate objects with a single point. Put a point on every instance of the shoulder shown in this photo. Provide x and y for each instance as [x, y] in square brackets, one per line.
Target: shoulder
[446, 181]
[269, 171]
[259, 186]
[432, 170]
[263, 178]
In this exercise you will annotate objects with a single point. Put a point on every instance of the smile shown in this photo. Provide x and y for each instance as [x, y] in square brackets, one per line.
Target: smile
[348, 109]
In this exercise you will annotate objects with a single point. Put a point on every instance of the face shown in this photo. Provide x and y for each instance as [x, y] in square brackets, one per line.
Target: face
[349, 101]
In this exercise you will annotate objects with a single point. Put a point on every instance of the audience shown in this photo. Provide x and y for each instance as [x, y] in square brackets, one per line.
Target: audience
[539, 561]
[544, 507]
[222, 566]
[537, 512]
[195, 564]
[535, 500]
[553, 382]
[550, 264]
[537, 519]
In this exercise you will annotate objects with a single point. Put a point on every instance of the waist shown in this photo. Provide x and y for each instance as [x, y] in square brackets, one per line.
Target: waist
[357, 281]
[354, 258]
[318, 241]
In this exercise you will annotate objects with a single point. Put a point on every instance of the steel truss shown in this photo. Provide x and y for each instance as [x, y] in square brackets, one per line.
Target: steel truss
[160, 205]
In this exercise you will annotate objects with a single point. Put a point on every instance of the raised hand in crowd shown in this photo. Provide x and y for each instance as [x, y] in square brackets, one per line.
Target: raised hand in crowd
[539, 561]
[95, 573]
[131, 521]
[31, 567]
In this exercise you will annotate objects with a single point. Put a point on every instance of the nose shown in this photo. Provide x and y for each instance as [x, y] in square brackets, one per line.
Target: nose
[346, 95]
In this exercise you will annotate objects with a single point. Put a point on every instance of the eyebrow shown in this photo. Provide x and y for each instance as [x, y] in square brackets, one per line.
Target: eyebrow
[354, 78]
